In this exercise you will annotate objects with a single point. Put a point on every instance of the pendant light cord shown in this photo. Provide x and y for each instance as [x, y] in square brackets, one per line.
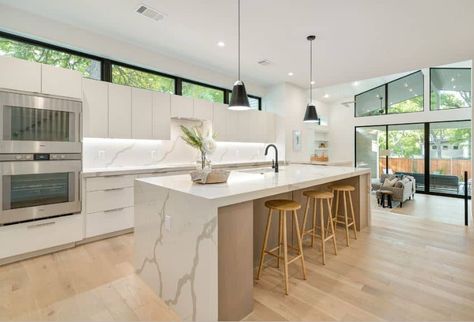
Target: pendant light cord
[238, 36]
[310, 71]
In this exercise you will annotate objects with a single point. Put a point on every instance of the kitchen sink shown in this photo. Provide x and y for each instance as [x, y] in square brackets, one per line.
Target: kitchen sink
[259, 170]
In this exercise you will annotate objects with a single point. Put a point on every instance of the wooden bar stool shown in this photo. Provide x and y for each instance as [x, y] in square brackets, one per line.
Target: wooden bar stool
[282, 206]
[325, 235]
[346, 191]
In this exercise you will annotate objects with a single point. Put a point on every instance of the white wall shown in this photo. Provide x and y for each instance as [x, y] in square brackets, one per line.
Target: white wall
[289, 103]
[39, 28]
[341, 131]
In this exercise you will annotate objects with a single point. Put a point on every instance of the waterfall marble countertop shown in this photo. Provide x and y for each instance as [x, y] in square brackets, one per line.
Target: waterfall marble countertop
[114, 171]
[249, 184]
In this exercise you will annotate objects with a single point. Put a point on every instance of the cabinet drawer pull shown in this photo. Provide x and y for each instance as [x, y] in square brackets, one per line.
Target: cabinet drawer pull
[113, 210]
[41, 225]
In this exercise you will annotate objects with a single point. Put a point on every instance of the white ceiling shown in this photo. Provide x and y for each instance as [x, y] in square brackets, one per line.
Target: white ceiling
[357, 39]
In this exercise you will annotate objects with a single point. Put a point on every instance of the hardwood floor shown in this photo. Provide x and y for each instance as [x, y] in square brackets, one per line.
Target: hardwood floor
[91, 282]
[402, 268]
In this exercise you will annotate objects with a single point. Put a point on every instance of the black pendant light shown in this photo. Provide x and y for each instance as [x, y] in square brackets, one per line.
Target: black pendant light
[311, 115]
[239, 100]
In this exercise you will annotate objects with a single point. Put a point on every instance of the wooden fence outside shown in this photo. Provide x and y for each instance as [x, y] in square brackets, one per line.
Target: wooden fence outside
[438, 166]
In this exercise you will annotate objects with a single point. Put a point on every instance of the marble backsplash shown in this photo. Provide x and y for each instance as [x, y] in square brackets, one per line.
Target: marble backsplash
[119, 153]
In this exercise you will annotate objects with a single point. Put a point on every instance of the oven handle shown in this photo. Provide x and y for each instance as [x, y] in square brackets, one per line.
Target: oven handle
[41, 225]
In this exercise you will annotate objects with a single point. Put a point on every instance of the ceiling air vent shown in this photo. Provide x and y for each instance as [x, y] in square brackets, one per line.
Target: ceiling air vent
[264, 62]
[150, 12]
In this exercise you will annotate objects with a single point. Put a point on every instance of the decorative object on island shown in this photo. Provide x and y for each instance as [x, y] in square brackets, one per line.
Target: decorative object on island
[239, 100]
[206, 145]
[311, 115]
[320, 157]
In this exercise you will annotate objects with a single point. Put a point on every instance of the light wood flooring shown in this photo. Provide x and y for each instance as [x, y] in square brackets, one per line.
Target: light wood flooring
[402, 268]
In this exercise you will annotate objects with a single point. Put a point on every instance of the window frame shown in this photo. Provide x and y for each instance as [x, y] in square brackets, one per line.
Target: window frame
[451, 68]
[385, 85]
[106, 67]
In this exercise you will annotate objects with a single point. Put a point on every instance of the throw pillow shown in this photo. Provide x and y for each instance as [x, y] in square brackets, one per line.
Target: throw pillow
[389, 183]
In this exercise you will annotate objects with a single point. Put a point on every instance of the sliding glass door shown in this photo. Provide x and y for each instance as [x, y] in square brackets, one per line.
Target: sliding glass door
[436, 154]
[450, 156]
[406, 151]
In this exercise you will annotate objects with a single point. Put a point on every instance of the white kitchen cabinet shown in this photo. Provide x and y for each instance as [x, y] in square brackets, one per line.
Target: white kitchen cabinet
[20, 75]
[142, 114]
[233, 125]
[219, 121]
[203, 109]
[120, 111]
[61, 82]
[161, 116]
[182, 107]
[95, 107]
[104, 222]
[109, 199]
[41, 234]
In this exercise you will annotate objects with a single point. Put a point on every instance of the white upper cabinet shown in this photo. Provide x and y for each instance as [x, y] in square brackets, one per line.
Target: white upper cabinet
[120, 111]
[161, 116]
[20, 75]
[182, 107]
[95, 107]
[203, 109]
[219, 121]
[142, 114]
[61, 82]
[270, 127]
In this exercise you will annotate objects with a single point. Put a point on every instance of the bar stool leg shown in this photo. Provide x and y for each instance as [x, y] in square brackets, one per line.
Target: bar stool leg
[313, 237]
[285, 251]
[280, 237]
[336, 214]
[305, 217]
[346, 220]
[264, 246]
[300, 243]
[331, 224]
[323, 235]
[353, 216]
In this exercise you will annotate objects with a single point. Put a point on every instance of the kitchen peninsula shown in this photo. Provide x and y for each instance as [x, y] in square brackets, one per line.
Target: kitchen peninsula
[197, 245]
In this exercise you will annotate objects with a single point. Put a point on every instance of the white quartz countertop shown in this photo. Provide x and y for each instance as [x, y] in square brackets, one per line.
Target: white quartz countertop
[251, 184]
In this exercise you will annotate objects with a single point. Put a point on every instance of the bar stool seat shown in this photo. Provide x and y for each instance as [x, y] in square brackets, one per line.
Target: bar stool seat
[343, 188]
[324, 235]
[282, 206]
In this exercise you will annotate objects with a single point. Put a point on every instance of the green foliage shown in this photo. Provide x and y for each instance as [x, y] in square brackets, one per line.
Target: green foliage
[207, 93]
[136, 78]
[192, 137]
[88, 67]
[414, 104]
[443, 100]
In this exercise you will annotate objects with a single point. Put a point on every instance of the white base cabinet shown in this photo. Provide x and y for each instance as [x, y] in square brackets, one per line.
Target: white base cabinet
[38, 235]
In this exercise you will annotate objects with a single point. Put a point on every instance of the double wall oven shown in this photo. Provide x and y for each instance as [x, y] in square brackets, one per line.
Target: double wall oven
[40, 157]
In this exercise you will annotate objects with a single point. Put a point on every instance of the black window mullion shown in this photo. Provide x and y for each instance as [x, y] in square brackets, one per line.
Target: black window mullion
[178, 86]
[427, 158]
[386, 99]
[106, 70]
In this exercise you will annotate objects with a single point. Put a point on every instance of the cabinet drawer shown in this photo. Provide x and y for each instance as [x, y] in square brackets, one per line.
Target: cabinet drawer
[109, 199]
[109, 221]
[112, 182]
[41, 234]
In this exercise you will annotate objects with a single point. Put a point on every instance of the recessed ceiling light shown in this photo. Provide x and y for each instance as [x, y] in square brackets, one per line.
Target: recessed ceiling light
[290, 74]
[411, 89]
[312, 82]
[454, 87]
[356, 83]
[326, 95]
[406, 84]
[221, 44]
[452, 79]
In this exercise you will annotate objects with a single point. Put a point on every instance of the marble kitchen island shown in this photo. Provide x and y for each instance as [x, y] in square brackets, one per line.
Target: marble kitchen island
[197, 245]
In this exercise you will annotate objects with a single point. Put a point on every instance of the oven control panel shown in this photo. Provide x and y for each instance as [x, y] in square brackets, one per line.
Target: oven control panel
[40, 157]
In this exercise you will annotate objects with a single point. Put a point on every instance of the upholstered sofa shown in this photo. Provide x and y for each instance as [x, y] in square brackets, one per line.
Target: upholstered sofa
[403, 189]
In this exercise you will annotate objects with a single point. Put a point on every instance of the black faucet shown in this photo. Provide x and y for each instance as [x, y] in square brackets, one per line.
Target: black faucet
[274, 162]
